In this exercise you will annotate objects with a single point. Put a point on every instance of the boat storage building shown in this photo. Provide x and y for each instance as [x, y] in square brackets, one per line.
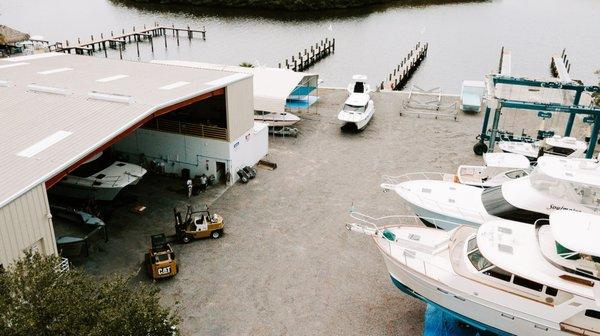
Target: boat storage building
[59, 110]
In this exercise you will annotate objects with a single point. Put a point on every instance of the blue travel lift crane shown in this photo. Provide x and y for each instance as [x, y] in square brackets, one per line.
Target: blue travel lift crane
[493, 134]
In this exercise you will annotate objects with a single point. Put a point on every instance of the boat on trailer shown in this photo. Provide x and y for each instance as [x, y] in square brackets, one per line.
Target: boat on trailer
[284, 119]
[357, 111]
[495, 278]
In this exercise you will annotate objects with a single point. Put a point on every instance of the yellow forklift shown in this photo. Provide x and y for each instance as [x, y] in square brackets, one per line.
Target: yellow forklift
[160, 259]
[197, 224]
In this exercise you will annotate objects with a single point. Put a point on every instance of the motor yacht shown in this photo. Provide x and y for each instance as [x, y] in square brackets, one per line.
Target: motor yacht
[494, 277]
[556, 145]
[498, 168]
[98, 179]
[284, 119]
[359, 85]
[357, 111]
[556, 183]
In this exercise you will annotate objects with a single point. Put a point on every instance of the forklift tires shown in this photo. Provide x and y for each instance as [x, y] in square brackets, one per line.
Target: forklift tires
[216, 234]
[480, 148]
[186, 238]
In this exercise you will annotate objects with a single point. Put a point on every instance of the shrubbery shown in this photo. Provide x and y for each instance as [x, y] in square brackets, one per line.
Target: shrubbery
[38, 299]
[293, 5]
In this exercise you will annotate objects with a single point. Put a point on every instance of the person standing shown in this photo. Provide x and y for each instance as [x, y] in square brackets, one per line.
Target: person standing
[189, 187]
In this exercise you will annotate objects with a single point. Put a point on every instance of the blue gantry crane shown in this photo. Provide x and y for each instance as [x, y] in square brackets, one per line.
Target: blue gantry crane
[492, 135]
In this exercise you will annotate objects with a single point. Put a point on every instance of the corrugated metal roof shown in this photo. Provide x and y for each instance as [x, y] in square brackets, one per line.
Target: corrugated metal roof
[31, 117]
[272, 86]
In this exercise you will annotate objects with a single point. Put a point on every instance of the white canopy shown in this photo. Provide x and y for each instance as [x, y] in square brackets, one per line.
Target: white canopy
[506, 160]
[583, 171]
[272, 86]
[576, 231]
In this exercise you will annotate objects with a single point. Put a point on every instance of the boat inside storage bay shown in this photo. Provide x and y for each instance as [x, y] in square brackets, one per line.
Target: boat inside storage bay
[494, 277]
[556, 183]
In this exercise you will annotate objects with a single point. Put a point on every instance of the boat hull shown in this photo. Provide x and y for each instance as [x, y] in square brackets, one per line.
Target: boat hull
[84, 192]
[359, 124]
[460, 305]
[440, 221]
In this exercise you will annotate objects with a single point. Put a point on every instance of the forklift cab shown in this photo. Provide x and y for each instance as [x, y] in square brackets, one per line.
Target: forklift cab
[160, 259]
[197, 224]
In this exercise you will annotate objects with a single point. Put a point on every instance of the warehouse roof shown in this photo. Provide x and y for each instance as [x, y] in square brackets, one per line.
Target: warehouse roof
[272, 86]
[56, 109]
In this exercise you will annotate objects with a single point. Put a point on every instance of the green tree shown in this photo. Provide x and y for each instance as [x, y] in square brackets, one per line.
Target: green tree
[36, 298]
[247, 65]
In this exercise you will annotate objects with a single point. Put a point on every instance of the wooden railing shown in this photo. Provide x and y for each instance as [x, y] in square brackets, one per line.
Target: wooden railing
[199, 130]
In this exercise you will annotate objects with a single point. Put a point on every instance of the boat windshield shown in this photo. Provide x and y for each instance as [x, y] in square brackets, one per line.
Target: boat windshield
[588, 195]
[559, 151]
[354, 108]
[496, 205]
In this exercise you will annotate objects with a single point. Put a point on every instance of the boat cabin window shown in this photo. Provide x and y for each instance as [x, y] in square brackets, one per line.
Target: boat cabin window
[354, 108]
[528, 283]
[515, 174]
[359, 87]
[476, 258]
[261, 113]
[498, 273]
[592, 313]
[496, 205]
[551, 291]
[560, 151]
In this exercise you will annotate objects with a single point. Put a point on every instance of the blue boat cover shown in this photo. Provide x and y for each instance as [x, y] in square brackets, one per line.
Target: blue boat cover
[440, 323]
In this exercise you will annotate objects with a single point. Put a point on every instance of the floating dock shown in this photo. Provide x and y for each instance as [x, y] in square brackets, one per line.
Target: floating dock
[119, 41]
[310, 56]
[403, 71]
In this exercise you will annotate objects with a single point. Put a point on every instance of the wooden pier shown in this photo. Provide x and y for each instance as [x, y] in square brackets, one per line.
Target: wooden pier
[310, 56]
[119, 41]
[560, 67]
[505, 64]
[403, 71]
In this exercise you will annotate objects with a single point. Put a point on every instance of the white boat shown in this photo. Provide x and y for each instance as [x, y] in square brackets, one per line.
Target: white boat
[556, 145]
[101, 185]
[556, 183]
[359, 85]
[358, 110]
[498, 168]
[276, 119]
[495, 278]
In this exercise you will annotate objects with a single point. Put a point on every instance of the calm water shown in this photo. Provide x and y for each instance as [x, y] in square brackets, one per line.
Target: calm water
[465, 38]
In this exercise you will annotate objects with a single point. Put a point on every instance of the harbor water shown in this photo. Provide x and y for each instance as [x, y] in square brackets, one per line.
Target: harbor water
[465, 37]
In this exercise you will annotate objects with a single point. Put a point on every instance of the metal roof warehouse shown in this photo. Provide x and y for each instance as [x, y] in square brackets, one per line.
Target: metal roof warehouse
[58, 110]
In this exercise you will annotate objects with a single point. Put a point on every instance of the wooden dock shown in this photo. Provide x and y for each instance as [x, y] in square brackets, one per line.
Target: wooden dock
[310, 56]
[560, 67]
[119, 41]
[403, 71]
[505, 64]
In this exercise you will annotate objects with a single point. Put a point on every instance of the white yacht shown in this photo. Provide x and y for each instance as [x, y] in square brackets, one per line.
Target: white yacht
[498, 168]
[495, 278]
[556, 145]
[359, 85]
[98, 179]
[284, 119]
[357, 111]
[556, 183]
